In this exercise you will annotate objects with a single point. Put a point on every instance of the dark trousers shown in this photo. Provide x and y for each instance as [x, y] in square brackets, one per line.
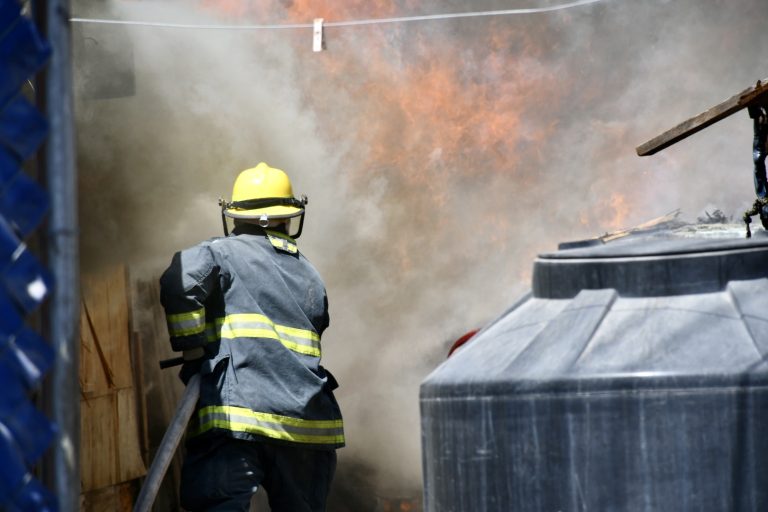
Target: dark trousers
[223, 475]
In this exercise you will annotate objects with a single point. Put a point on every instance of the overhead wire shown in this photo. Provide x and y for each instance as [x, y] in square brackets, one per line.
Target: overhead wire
[350, 23]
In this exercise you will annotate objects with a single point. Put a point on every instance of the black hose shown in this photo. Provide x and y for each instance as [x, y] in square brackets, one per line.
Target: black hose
[168, 446]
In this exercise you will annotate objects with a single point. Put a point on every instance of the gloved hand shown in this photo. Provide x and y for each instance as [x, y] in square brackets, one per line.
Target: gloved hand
[193, 359]
[193, 354]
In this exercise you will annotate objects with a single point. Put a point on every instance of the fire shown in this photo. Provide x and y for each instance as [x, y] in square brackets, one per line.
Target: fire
[620, 207]
[331, 10]
[455, 116]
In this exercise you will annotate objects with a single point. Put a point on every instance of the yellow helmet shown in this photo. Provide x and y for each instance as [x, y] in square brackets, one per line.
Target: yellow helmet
[263, 193]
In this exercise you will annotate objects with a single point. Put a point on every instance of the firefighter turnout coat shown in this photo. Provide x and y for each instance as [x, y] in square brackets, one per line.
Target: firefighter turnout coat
[258, 308]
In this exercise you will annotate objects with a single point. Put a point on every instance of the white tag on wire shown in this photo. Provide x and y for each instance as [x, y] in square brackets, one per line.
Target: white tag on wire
[317, 36]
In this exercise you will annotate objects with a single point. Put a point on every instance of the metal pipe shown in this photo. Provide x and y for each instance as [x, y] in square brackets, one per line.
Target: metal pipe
[168, 446]
[62, 256]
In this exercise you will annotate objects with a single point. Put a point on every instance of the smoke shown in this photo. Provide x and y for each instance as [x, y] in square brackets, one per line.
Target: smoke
[439, 157]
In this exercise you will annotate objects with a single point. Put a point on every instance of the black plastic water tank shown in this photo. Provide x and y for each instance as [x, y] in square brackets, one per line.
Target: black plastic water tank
[631, 378]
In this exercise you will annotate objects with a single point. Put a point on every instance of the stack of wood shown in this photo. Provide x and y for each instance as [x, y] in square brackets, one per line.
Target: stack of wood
[110, 435]
[126, 400]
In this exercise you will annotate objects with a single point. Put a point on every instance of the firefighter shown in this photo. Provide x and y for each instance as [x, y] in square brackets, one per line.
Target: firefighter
[248, 310]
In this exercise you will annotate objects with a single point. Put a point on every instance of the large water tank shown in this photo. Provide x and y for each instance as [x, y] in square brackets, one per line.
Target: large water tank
[631, 378]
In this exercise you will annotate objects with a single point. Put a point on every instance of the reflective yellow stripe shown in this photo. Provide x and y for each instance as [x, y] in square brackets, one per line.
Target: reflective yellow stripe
[192, 315]
[281, 235]
[299, 333]
[253, 325]
[257, 318]
[282, 241]
[269, 417]
[239, 419]
[230, 332]
[186, 324]
[283, 245]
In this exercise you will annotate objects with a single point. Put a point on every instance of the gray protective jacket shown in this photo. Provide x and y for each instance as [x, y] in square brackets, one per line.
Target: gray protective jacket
[258, 308]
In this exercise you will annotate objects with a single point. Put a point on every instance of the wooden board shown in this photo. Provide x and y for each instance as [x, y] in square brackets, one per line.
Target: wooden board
[130, 463]
[105, 354]
[757, 95]
[110, 430]
[141, 395]
[110, 450]
[117, 498]
[96, 376]
[98, 444]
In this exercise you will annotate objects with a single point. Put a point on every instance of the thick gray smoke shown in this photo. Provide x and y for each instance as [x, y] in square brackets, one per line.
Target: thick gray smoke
[439, 158]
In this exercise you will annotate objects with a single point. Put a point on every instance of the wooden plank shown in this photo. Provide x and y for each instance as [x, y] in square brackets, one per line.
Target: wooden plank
[93, 379]
[110, 434]
[667, 221]
[98, 424]
[117, 498]
[98, 333]
[129, 461]
[757, 95]
[109, 440]
[117, 317]
[105, 332]
[141, 395]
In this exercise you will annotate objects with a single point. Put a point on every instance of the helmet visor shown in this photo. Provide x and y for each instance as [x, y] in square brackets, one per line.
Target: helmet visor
[272, 207]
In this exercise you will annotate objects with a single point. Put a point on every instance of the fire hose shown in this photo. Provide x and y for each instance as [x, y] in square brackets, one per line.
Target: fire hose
[168, 445]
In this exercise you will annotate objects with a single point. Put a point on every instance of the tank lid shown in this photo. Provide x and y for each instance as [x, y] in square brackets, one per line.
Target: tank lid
[657, 265]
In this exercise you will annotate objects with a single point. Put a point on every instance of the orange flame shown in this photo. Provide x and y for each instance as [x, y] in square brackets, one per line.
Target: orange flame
[620, 208]
[451, 122]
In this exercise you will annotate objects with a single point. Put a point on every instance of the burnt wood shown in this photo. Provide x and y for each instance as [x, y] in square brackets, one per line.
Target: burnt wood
[752, 96]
